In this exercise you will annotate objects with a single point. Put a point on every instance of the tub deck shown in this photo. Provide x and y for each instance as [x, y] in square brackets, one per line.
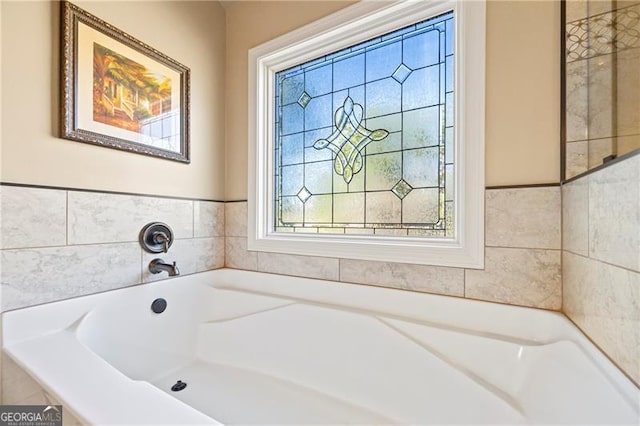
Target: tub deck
[260, 348]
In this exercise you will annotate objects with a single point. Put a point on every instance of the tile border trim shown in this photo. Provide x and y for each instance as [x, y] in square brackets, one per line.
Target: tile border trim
[101, 191]
[604, 166]
[524, 186]
[171, 197]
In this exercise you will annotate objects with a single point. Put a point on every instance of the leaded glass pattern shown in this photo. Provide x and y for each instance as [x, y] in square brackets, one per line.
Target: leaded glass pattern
[364, 137]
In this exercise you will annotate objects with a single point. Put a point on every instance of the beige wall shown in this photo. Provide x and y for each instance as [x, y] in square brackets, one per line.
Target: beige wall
[191, 32]
[523, 92]
[523, 84]
[250, 23]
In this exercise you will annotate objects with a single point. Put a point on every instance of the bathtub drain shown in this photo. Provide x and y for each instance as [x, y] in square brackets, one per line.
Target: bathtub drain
[178, 386]
[159, 305]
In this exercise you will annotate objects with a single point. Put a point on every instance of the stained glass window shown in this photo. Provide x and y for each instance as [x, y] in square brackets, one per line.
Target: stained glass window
[364, 137]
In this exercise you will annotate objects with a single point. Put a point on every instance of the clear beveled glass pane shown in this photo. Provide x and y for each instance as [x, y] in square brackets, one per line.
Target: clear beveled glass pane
[292, 149]
[312, 154]
[383, 97]
[421, 88]
[390, 122]
[383, 207]
[318, 209]
[449, 74]
[292, 88]
[421, 206]
[383, 171]
[318, 113]
[391, 143]
[293, 119]
[421, 50]
[292, 179]
[348, 72]
[449, 110]
[421, 167]
[421, 127]
[348, 208]
[382, 61]
[291, 210]
[449, 145]
[449, 187]
[318, 177]
[318, 81]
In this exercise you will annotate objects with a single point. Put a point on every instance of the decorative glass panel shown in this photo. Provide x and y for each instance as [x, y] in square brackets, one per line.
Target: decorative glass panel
[364, 137]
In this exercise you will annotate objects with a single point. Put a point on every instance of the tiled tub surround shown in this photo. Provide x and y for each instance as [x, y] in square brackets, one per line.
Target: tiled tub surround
[602, 82]
[64, 243]
[601, 260]
[522, 255]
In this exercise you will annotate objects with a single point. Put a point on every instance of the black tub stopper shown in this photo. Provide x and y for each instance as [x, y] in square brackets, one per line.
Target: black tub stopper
[159, 305]
[178, 386]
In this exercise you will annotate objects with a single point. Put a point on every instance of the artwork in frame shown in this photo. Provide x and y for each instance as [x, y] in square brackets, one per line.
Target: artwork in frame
[119, 92]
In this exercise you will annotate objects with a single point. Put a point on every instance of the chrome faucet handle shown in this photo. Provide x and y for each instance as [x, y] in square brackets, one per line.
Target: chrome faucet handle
[162, 238]
[156, 237]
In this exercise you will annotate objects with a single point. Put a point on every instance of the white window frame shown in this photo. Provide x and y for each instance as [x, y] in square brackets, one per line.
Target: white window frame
[350, 26]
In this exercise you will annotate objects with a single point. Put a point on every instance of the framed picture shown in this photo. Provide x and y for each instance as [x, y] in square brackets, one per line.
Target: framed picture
[120, 93]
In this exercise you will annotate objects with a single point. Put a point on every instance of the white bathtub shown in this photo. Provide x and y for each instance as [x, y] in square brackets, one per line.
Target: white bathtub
[269, 349]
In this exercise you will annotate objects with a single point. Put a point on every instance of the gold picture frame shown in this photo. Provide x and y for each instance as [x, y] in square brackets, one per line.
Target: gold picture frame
[119, 92]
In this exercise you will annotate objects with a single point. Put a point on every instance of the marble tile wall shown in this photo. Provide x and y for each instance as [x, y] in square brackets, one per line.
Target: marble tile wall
[602, 82]
[590, 124]
[601, 260]
[628, 98]
[58, 244]
[522, 255]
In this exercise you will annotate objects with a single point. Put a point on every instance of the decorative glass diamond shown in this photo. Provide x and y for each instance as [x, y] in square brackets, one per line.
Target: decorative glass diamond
[304, 99]
[304, 194]
[401, 73]
[401, 189]
[348, 139]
